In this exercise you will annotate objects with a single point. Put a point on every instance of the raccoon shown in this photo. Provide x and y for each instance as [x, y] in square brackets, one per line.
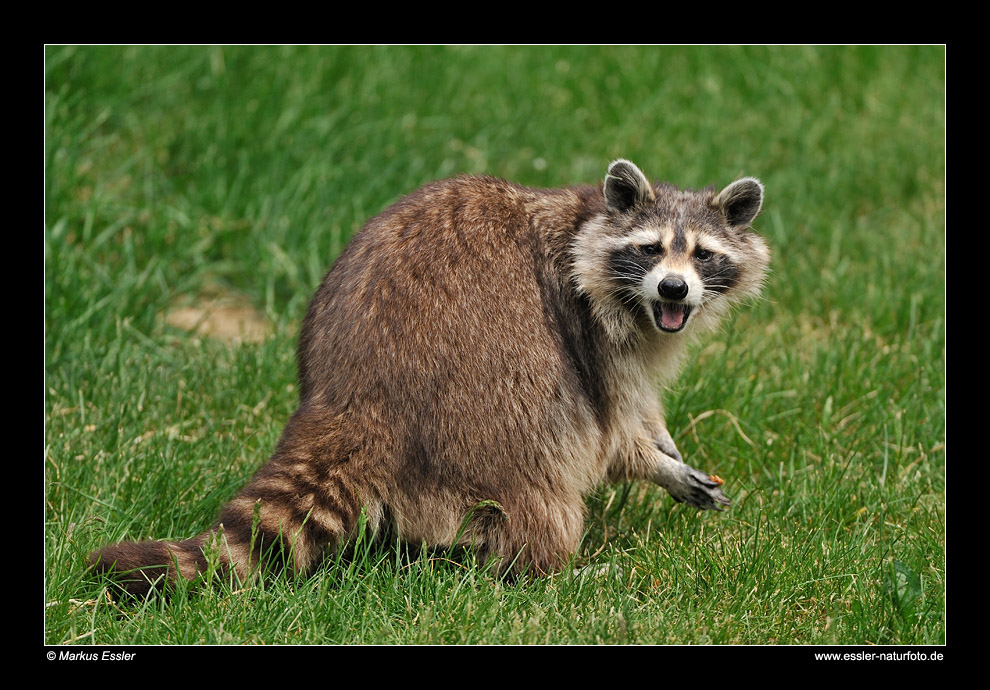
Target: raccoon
[479, 359]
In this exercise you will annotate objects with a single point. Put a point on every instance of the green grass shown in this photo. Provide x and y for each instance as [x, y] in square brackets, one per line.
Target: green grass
[176, 174]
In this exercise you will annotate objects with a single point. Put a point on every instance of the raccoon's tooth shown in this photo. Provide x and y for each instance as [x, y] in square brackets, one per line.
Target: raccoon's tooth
[670, 316]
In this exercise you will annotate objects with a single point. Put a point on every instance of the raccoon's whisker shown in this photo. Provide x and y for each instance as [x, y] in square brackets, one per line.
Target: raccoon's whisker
[624, 294]
[635, 271]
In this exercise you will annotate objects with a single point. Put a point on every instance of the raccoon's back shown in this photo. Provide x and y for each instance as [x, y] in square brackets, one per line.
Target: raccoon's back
[444, 321]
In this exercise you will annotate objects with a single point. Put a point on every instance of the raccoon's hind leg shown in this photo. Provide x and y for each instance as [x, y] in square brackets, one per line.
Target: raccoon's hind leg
[528, 535]
[308, 498]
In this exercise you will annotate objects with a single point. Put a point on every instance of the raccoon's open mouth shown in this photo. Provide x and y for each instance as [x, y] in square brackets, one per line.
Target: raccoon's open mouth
[671, 316]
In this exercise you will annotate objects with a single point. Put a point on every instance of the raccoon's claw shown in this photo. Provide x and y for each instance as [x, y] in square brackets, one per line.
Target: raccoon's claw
[700, 490]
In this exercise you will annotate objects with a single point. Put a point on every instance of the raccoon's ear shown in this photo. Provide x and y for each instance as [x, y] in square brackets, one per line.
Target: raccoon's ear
[741, 201]
[626, 186]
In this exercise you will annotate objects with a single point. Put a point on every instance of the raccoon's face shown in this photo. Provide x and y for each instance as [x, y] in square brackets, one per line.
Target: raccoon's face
[669, 257]
[668, 293]
[673, 270]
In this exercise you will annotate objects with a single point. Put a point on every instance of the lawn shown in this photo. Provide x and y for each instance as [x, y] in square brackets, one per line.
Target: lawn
[195, 196]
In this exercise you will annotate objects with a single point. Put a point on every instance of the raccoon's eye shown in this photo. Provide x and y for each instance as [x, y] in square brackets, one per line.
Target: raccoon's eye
[652, 249]
[704, 254]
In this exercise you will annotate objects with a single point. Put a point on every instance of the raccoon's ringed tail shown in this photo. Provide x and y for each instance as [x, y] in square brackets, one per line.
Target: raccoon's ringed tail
[139, 567]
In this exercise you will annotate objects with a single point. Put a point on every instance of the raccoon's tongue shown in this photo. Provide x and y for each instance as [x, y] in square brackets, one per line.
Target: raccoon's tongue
[670, 316]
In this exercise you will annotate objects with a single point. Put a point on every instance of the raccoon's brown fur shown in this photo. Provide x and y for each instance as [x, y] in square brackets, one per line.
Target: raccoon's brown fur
[484, 344]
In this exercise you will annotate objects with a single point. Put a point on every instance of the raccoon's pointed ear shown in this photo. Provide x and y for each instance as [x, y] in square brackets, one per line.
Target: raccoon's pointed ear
[741, 201]
[626, 186]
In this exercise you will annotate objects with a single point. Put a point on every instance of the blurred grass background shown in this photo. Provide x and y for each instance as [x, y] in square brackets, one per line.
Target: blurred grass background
[182, 178]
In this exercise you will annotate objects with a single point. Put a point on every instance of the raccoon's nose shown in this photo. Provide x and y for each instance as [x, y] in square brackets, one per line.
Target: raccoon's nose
[673, 288]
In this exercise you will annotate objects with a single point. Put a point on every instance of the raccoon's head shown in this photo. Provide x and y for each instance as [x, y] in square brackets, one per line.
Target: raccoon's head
[666, 260]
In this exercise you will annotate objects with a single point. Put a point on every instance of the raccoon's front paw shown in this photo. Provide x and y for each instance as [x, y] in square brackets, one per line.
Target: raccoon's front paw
[698, 489]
